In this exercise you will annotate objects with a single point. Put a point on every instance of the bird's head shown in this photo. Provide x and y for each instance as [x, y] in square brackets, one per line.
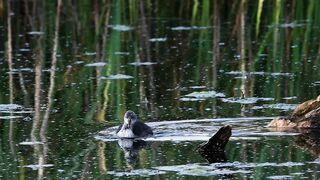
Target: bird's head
[130, 118]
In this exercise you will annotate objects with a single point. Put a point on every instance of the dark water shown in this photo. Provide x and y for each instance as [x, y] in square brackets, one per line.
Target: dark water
[68, 73]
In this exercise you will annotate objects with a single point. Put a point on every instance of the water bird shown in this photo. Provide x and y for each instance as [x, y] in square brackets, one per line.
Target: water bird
[305, 115]
[306, 107]
[132, 128]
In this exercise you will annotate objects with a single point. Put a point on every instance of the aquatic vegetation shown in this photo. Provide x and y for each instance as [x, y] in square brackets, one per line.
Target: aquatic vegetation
[205, 94]
[250, 100]
[117, 76]
[139, 63]
[120, 27]
[10, 107]
[70, 69]
[97, 64]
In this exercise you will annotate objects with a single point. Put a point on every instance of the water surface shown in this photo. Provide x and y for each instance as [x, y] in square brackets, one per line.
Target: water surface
[69, 70]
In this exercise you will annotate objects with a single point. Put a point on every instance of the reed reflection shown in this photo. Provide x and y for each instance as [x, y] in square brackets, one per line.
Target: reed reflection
[101, 156]
[11, 85]
[41, 149]
[215, 50]
[149, 101]
[183, 60]
[101, 56]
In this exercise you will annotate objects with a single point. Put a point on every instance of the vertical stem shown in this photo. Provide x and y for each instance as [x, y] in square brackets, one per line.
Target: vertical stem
[245, 80]
[37, 98]
[276, 34]
[146, 55]
[9, 58]
[241, 39]
[258, 20]
[9, 51]
[215, 41]
[215, 48]
[39, 58]
[52, 70]
[101, 117]
[242, 49]
[97, 42]
[101, 157]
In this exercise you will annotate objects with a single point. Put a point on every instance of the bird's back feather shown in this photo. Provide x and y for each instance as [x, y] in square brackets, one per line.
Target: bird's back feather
[140, 129]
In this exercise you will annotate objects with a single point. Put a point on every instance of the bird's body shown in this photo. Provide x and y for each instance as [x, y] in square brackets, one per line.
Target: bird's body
[305, 115]
[132, 128]
[303, 108]
[124, 132]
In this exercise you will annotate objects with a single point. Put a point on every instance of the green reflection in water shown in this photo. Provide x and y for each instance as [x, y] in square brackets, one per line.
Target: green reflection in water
[198, 53]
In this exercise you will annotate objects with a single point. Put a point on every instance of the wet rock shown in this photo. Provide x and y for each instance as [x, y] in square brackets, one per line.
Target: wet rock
[305, 115]
[213, 150]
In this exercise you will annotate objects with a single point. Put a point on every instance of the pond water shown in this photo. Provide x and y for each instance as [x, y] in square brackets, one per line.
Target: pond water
[187, 68]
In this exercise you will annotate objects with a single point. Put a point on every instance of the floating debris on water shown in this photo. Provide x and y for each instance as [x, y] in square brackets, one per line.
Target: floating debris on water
[185, 28]
[157, 39]
[38, 166]
[119, 27]
[27, 118]
[137, 172]
[197, 169]
[23, 70]
[29, 143]
[181, 28]
[259, 73]
[316, 83]
[278, 106]
[197, 87]
[79, 62]
[292, 25]
[35, 33]
[122, 53]
[289, 98]
[205, 94]
[97, 64]
[249, 100]
[142, 63]
[191, 99]
[24, 50]
[281, 177]
[117, 76]
[10, 107]
[90, 53]
[10, 117]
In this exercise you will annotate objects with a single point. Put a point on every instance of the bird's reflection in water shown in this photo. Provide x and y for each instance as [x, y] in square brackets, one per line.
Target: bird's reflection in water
[131, 148]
